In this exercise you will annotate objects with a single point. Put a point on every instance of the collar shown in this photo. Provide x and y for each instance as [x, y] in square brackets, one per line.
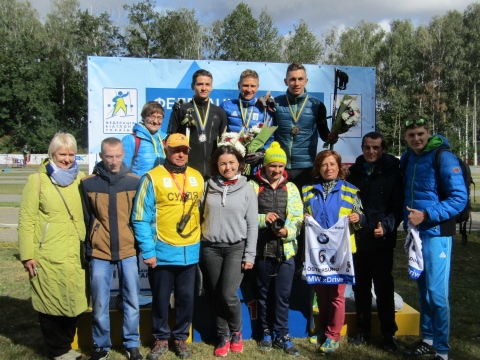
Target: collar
[174, 168]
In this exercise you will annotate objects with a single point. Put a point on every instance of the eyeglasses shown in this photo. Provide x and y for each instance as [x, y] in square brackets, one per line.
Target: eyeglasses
[415, 122]
[153, 118]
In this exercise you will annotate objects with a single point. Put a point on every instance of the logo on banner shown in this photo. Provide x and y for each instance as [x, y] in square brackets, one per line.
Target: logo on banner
[120, 108]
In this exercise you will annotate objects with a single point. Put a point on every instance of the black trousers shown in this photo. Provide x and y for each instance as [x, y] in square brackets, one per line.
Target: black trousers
[58, 332]
[374, 265]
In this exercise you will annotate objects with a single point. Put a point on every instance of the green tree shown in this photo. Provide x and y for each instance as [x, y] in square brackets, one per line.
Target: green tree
[268, 43]
[302, 46]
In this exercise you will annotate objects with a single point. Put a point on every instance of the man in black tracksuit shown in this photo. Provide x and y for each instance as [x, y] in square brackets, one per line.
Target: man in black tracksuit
[377, 175]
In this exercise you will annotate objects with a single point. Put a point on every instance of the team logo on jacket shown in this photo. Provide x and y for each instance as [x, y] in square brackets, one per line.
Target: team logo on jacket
[323, 239]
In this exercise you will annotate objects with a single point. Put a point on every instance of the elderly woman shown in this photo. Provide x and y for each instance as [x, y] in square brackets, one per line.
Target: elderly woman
[144, 148]
[328, 199]
[50, 230]
[229, 242]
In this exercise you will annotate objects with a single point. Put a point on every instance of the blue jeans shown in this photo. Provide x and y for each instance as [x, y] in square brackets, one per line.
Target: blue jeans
[101, 274]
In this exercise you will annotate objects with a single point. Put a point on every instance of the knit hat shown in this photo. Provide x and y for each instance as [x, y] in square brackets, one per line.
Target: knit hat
[176, 140]
[275, 154]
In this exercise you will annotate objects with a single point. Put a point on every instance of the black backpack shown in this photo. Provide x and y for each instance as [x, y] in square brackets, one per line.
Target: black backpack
[463, 217]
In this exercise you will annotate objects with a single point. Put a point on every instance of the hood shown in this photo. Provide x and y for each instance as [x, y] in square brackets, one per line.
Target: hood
[215, 185]
[261, 178]
[436, 141]
[143, 133]
[100, 170]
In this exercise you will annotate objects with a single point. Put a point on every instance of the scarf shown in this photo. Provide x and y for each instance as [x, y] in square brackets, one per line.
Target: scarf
[62, 177]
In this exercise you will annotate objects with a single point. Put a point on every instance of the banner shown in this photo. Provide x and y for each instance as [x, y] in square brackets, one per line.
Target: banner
[119, 87]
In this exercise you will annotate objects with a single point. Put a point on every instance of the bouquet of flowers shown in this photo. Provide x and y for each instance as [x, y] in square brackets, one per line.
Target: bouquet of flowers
[348, 116]
[250, 142]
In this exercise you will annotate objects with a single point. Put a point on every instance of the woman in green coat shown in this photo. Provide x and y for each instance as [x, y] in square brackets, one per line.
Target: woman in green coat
[50, 229]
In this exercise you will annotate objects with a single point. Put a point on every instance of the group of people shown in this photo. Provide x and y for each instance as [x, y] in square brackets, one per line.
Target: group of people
[183, 204]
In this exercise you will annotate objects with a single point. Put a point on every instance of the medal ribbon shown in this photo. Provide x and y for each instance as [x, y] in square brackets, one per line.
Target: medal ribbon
[202, 122]
[295, 117]
[182, 193]
[244, 115]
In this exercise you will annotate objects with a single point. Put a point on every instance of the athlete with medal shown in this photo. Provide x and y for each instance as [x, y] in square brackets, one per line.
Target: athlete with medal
[201, 121]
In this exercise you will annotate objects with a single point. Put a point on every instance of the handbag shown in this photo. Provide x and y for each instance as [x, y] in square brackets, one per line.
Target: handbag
[83, 250]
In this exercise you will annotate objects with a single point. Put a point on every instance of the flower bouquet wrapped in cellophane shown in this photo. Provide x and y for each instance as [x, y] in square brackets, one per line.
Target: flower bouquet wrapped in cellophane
[348, 116]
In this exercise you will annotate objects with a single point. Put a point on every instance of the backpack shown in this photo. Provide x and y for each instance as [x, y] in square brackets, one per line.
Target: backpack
[463, 217]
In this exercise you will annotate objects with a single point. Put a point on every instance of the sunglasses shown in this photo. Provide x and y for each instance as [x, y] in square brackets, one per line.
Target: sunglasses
[415, 122]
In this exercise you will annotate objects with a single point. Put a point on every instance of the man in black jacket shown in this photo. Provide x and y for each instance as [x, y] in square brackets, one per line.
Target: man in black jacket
[377, 175]
[201, 120]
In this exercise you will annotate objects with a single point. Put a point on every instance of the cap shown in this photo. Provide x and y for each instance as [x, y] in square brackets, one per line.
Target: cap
[176, 140]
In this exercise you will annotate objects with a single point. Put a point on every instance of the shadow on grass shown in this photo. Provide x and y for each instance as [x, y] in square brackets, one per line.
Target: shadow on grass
[20, 325]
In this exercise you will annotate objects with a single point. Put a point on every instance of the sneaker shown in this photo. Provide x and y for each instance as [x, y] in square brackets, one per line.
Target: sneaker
[67, 356]
[236, 343]
[389, 344]
[329, 346]
[266, 343]
[159, 349]
[313, 340]
[223, 347]
[99, 354]
[438, 357]
[133, 354]
[286, 345]
[419, 349]
[359, 339]
[181, 349]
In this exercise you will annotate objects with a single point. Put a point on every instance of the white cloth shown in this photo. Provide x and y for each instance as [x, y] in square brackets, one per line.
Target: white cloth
[328, 253]
[413, 249]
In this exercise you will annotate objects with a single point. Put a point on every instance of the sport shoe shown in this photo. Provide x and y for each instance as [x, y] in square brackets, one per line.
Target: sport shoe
[419, 349]
[99, 354]
[236, 343]
[223, 347]
[389, 344]
[286, 345]
[359, 339]
[181, 349]
[75, 354]
[133, 354]
[329, 346]
[67, 356]
[159, 349]
[266, 343]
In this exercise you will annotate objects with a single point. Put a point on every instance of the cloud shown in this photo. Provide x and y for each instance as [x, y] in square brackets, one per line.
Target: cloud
[319, 14]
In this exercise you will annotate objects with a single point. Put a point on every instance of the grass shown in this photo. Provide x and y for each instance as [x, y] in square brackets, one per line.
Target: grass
[20, 336]
[9, 204]
[11, 188]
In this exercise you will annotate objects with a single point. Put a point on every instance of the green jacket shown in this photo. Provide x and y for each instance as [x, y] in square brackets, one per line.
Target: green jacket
[47, 235]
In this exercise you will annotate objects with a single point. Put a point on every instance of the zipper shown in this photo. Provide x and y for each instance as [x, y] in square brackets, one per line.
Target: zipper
[184, 255]
[413, 180]
[128, 202]
[43, 236]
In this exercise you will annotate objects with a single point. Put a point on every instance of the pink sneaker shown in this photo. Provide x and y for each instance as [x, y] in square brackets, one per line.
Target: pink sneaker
[236, 344]
[223, 347]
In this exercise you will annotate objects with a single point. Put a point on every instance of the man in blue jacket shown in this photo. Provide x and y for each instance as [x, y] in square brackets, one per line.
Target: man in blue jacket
[433, 213]
[168, 196]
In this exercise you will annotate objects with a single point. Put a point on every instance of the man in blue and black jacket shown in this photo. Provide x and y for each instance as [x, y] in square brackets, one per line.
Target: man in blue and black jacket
[433, 213]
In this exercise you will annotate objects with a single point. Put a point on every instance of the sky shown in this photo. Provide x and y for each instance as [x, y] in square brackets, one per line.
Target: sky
[319, 14]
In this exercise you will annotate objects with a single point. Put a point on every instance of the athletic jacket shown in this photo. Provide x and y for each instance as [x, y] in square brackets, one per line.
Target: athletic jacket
[107, 206]
[159, 201]
[422, 183]
[150, 153]
[301, 149]
[201, 152]
[382, 200]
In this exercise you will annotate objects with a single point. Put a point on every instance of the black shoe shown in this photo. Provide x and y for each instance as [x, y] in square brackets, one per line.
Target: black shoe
[181, 349]
[359, 339]
[266, 342]
[285, 343]
[159, 349]
[419, 349]
[99, 354]
[389, 344]
[133, 354]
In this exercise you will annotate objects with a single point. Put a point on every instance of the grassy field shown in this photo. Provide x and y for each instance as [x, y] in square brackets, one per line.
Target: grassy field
[20, 336]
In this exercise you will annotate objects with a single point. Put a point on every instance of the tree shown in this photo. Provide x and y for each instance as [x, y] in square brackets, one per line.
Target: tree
[269, 43]
[302, 46]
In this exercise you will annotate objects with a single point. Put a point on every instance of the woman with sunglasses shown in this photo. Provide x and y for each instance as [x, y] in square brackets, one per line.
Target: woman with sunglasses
[144, 148]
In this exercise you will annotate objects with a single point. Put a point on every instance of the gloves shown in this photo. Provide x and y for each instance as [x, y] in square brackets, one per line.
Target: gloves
[254, 158]
[177, 104]
[267, 101]
[271, 104]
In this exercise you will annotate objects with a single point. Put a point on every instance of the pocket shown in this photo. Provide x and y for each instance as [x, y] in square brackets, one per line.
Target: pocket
[94, 236]
[44, 234]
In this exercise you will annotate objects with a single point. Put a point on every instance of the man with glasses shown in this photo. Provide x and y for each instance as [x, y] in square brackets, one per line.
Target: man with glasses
[433, 213]
[169, 196]
[144, 148]
[201, 120]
